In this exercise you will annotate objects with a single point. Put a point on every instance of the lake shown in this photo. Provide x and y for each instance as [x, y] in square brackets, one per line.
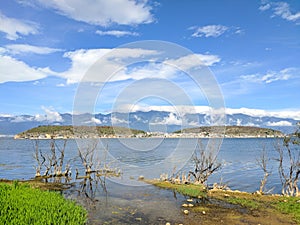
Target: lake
[125, 200]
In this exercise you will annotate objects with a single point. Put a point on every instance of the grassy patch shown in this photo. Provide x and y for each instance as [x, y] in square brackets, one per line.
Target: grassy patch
[21, 204]
[263, 204]
[291, 206]
[184, 189]
[247, 203]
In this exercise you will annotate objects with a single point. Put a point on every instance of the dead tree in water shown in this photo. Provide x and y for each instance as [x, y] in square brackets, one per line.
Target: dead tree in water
[86, 156]
[40, 159]
[289, 158]
[205, 164]
[262, 162]
[53, 164]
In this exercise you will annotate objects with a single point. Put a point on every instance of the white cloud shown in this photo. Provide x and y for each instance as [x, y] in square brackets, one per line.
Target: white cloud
[264, 7]
[14, 27]
[6, 115]
[272, 76]
[171, 119]
[50, 115]
[61, 85]
[209, 31]
[117, 33]
[83, 60]
[292, 114]
[116, 121]
[20, 119]
[281, 9]
[190, 109]
[279, 124]
[96, 121]
[14, 70]
[23, 48]
[195, 60]
[112, 64]
[103, 12]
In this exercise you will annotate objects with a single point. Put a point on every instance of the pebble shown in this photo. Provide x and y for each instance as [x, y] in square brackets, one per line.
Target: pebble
[184, 205]
[203, 212]
[226, 195]
[186, 212]
[168, 223]
[191, 205]
[189, 200]
[138, 219]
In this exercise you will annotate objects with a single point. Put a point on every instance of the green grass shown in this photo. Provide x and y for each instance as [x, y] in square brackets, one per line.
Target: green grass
[262, 203]
[21, 205]
[248, 203]
[190, 190]
[290, 205]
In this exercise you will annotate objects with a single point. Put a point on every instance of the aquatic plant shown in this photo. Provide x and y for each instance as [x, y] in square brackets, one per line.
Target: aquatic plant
[21, 204]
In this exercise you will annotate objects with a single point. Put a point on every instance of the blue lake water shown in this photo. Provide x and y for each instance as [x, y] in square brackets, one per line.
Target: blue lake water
[125, 200]
[238, 156]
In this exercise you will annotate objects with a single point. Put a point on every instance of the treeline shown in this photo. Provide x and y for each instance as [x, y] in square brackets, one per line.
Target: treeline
[69, 131]
[234, 131]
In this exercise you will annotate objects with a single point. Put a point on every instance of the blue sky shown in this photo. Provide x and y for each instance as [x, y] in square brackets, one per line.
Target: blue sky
[252, 47]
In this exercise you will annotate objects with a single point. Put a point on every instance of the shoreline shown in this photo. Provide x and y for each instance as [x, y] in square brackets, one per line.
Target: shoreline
[49, 137]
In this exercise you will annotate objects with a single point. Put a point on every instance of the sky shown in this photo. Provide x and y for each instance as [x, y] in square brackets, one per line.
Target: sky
[249, 49]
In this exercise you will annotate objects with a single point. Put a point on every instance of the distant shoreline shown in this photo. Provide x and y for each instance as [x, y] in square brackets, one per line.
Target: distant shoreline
[84, 132]
[129, 137]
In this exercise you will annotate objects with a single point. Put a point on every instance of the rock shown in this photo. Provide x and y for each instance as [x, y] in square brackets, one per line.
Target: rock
[184, 205]
[138, 219]
[141, 178]
[189, 200]
[191, 205]
[199, 197]
[203, 212]
[186, 212]
[226, 195]
[168, 223]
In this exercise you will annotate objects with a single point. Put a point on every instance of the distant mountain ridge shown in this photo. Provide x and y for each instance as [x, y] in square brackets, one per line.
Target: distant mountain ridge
[161, 121]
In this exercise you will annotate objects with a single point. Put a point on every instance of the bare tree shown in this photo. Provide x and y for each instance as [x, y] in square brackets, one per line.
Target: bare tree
[53, 165]
[289, 164]
[86, 154]
[40, 159]
[262, 162]
[205, 164]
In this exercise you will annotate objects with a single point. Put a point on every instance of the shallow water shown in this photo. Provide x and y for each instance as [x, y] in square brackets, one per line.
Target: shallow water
[125, 200]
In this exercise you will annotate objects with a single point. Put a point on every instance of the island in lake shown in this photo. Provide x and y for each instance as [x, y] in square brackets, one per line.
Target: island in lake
[73, 132]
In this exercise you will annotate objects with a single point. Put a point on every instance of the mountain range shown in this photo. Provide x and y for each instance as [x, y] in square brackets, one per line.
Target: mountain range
[155, 121]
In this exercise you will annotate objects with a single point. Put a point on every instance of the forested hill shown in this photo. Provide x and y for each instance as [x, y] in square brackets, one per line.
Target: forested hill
[233, 131]
[47, 132]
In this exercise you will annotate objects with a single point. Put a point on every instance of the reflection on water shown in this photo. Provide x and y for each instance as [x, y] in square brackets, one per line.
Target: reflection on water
[120, 204]
[111, 202]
